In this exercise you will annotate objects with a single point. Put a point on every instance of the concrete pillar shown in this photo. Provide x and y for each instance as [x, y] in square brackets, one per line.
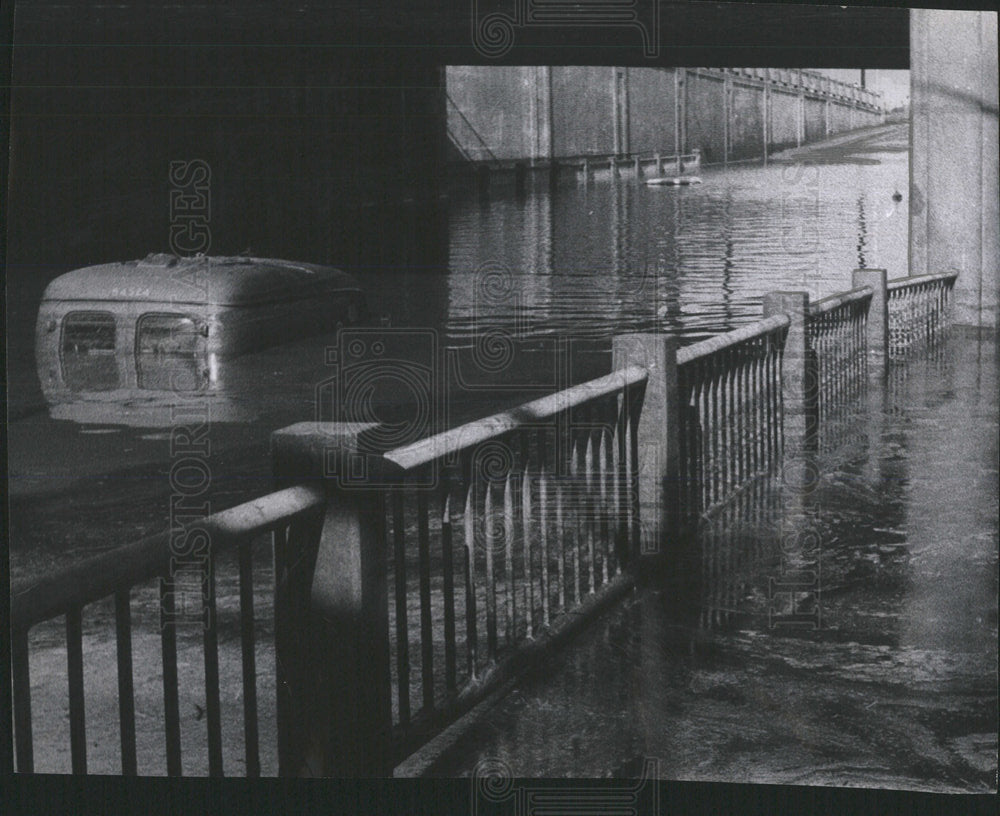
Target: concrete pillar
[954, 190]
[727, 112]
[658, 434]
[680, 112]
[766, 102]
[799, 380]
[878, 318]
[616, 111]
[793, 594]
[541, 114]
[334, 654]
[800, 118]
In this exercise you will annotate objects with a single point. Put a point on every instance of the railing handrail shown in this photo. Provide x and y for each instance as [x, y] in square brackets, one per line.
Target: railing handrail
[34, 600]
[917, 280]
[834, 301]
[723, 341]
[482, 430]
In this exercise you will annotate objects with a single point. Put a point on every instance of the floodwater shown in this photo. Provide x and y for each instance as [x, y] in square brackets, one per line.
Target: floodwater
[701, 676]
[894, 686]
[524, 299]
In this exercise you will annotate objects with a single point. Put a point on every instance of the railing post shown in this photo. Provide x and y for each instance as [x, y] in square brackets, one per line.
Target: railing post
[333, 658]
[877, 333]
[799, 384]
[658, 435]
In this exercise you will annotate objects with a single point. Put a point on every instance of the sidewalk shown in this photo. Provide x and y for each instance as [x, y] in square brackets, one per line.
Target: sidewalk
[897, 688]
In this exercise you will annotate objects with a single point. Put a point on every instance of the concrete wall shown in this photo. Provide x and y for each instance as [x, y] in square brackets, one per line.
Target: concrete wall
[493, 105]
[746, 128]
[541, 113]
[582, 110]
[954, 191]
[705, 124]
[815, 116]
[784, 122]
[652, 111]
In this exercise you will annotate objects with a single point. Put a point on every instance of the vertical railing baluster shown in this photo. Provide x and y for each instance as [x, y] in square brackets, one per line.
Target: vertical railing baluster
[280, 619]
[402, 622]
[725, 373]
[469, 527]
[633, 445]
[21, 667]
[575, 509]
[776, 421]
[210, 642]
[426, 625]
[526, 513]
[561, 541]
[77, 716]
[604, 439]
[126, 695]
[171, 706]
[491, 587]
[510, 627]
[705, 401]
[447, 566]
[621, 480]
[543, 523]
[247, 645]
[743, 428]
[757, 389]
[590, 509]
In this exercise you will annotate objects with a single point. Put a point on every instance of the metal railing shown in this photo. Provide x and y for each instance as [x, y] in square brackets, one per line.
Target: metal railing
[113, 575]
[497, 537]
[917, 310]
[836, 328]
[534, 511]
[730, 388]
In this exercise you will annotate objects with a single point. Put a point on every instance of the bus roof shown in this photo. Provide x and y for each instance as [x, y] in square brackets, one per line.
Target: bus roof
[203, 280]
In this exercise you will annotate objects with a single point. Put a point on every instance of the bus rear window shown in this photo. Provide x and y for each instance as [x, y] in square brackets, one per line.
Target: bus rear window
[169, 353]
[88, 351]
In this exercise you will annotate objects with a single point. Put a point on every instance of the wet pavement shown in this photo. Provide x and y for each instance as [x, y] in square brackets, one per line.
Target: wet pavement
[896, 687]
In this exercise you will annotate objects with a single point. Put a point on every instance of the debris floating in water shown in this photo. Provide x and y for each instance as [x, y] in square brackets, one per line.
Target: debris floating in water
[673, 181]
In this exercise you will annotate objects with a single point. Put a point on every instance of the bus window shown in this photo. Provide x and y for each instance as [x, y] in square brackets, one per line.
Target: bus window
[169, 353]
[88, 351]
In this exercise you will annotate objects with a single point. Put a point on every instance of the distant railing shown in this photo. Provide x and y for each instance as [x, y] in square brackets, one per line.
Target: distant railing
[730, 389]
[837, 335]
[917, 310]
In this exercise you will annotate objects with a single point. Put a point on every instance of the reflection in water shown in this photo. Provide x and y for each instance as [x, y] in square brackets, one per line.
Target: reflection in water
[862, 233]
[618, 256]
[897, 686]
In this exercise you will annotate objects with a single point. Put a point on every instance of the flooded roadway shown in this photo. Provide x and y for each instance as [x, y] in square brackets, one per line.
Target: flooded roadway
[896, 688]
[522, 300]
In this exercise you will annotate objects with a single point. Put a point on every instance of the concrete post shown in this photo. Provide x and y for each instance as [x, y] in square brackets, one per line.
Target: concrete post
[333, 660]
[877, 339]
[799, 381]
[954, 190]
[727, 112]
[766, 102]
[543, 113]
[800, 117]
[658, 435]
